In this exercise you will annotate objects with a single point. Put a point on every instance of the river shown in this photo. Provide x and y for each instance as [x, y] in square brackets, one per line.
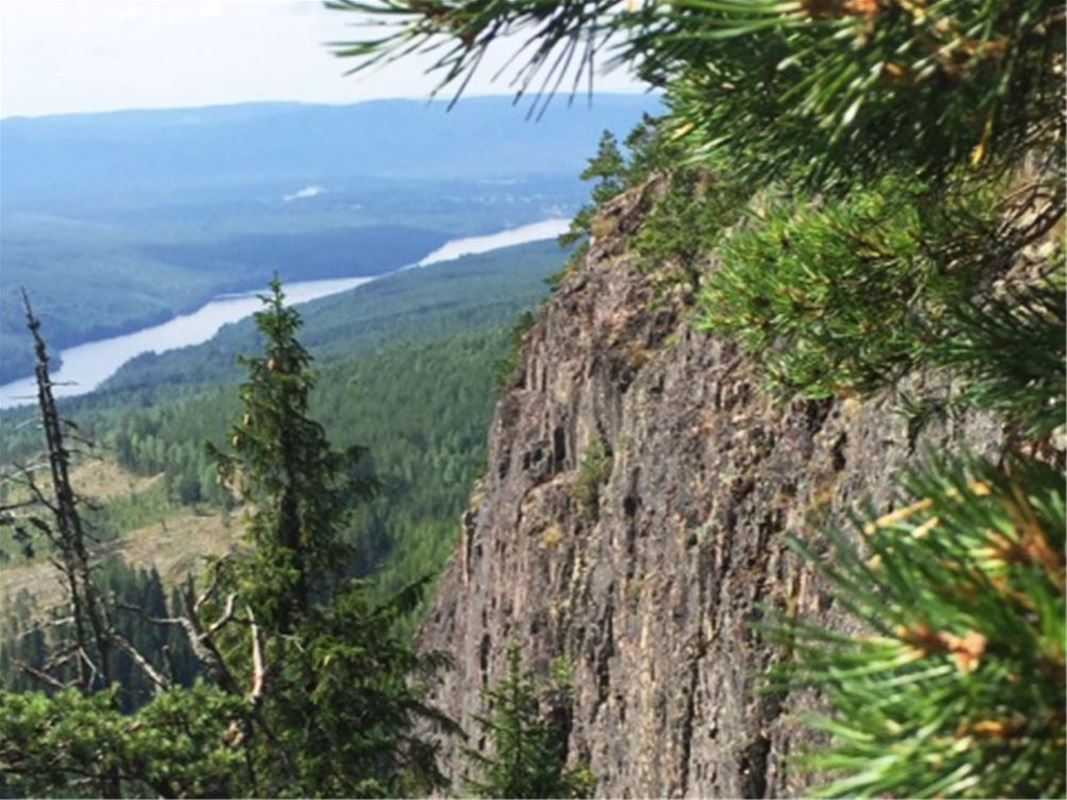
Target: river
[86, 366]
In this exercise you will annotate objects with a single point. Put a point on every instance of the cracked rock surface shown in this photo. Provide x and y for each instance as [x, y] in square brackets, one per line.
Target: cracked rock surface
[652, 600]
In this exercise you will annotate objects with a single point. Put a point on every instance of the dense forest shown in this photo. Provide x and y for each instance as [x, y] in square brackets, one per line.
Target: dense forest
[408, 366]
[331, 671]
[866, 197]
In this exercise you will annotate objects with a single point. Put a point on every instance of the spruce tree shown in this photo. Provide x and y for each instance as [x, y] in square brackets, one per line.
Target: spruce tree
[306, 687]
[336, 693]
[527, 755]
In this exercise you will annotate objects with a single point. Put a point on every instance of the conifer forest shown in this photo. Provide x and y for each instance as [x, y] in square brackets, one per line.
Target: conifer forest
[752, 484]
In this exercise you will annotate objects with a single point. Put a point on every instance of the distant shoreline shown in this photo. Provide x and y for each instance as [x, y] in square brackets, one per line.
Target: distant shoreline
[84, 366]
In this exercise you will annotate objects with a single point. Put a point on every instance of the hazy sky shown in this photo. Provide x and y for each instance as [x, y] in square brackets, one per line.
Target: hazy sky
[59, 56]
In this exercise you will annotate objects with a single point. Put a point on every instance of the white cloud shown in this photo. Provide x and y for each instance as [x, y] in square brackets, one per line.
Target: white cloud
[307, 191]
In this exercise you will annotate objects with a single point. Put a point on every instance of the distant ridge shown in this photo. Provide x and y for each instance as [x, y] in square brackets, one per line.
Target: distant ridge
[77, 153]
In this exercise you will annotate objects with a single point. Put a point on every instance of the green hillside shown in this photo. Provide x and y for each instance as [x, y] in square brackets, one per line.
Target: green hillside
[408, 367]
[109, 237]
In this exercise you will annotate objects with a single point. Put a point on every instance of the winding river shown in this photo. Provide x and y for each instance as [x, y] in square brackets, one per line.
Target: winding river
[86, 366]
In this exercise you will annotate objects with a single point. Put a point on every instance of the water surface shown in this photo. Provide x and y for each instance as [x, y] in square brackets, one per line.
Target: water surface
[86, 366]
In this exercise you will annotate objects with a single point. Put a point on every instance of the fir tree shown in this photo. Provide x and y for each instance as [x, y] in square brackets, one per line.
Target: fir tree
[335, 693]
[527, 754]
[298, 491]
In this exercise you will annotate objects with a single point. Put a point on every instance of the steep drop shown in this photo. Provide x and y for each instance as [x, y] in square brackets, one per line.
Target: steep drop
[651, 591]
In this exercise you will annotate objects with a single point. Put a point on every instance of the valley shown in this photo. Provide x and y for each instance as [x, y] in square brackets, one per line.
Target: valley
[409, 283]
[409, 367]
[708, 442]
[108, 238]
[86, 366]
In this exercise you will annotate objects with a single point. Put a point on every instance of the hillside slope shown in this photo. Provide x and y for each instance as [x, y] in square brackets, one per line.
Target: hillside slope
[143, 215]
[651, 596]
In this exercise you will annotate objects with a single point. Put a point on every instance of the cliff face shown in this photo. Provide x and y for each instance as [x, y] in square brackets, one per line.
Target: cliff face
[652, 601]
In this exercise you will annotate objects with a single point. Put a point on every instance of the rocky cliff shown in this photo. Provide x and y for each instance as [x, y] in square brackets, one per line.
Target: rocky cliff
[648, 581]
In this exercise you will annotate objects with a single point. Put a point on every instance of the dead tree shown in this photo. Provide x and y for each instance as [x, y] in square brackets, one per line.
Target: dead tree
[51, 509]
[93, 638]
[91, 620]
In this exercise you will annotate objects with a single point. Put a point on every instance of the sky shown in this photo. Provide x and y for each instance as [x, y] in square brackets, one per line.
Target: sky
[64, 56]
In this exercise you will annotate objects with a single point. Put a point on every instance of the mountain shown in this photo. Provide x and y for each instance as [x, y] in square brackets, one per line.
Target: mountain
[117, 221]
[166, 151]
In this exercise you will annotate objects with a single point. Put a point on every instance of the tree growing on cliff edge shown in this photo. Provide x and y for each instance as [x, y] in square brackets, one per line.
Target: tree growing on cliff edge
[900, 175]
[607, 168]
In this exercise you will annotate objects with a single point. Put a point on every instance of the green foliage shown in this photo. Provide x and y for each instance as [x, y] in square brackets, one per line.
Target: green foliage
[593, 470]
[507, 365]
[848, 295]
[1010, 351]
[336, 693]
[870, 142]
[407, 366]
[312, 692]
[608, 169]
[298, 488]
[955, 687]
[528, 754]
[420, 408]
[685, 224]
[854, 89]
[348, 703]
[840, 89]
[73, 744]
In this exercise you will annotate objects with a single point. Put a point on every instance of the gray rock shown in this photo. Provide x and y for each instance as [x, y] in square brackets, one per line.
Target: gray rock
[654, 603]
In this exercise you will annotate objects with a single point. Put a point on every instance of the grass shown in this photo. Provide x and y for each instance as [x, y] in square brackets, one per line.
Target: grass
[135, 520]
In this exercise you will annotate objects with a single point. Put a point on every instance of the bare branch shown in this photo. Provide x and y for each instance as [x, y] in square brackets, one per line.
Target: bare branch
[40, 627]
[38, 675]
[203, 645]
[259, 667]
[225, 619]
[154, 620]
[159, 679]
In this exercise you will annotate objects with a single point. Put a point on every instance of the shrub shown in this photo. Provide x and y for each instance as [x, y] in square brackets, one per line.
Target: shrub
[592, 472]
[529, 753]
